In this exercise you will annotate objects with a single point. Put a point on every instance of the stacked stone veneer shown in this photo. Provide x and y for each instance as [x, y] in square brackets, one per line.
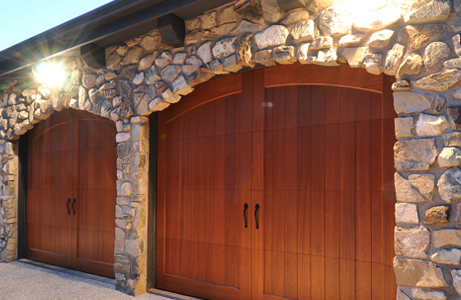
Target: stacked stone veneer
[416, 41]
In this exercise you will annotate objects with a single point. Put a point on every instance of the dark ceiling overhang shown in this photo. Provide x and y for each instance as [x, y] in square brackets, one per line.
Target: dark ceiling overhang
[106, 26]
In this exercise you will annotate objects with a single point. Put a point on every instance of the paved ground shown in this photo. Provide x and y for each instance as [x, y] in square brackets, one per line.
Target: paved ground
[19, 280]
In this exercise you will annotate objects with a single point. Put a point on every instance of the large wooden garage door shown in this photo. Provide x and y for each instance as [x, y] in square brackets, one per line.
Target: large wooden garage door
[71, 192]
[278, 183]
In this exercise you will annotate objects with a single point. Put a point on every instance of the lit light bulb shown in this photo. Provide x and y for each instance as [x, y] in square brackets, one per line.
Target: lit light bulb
[50, 74]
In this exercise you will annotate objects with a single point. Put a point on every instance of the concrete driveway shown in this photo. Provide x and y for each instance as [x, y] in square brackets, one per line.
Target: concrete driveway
[20, 280]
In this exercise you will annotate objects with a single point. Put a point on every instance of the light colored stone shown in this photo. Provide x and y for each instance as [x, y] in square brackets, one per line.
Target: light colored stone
[88, 80]
[454, 63]
[322, 42]
[410, 5]
[225, 47]
[181, 86]
[204, 52]
[245, 51]
[335, 21]
[295, 16]
[170, 73]
[381, 39]
[449, 185]
[428, 295]
[119, 240]
[393, 59]
[157, 105]
[409, 102]
[411, 242]
[437, 215]
[405, 192]
[404, 127]
[411, 65]
[455, 21]
[457, 44]
[133, 57]
[414, 155]
[432, 12]
[447, 256]
[327, 57]
[418, 273]
[150, 43]
[139, 78]
[133, 247]
[457, 5]
[424, 183]
[113, 61]
[284, 54]
[446, 238]
[191, 65]
[304, 31]
[274, 35]
[351, 40]
[355, 56]
[449, 157]
[455, 114]
[227, 15]
[440, 81]
[179, 58]
[452, 139]
[232, 63]
[193, 24]
[302, 53]
[209, 20]
[428, 125]
[223, 29]
[402, 296]
[406, 213]
[401, 85]
[456, 274]
[376, 20]
[217, 67]
[435, 52]
[373, 63]
[417, 37]
[164, 59]
[246, 26]
[146, 62]
[126, 189]
[122, 137]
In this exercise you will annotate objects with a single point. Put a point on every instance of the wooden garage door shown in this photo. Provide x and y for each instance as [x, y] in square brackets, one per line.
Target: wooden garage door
[302, 155]
[71, 192]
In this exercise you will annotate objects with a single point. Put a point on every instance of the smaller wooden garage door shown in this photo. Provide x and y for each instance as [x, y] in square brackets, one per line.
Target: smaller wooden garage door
[71, 192]
[278, 183]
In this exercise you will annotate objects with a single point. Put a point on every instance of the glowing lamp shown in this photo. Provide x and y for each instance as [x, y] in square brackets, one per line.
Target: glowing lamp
[50, 74]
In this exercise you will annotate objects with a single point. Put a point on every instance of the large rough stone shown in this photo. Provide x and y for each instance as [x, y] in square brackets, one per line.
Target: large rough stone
[180, 57]
[404, 127]
[170, 73]
[302, 53]
[232, 63]
[284, 54]
[335, 21]
[381, 38]
[428, 295]
[455, 114]
[150, 42]
[414, 155]
[428, 125]
[376, 20]
[434, 11]
[412, 242]
[455, 21]
[295, 16]
[322, 42]
[457, 44]
[225, 47]
[304, 31]
[424, 183]
[452, 139]
[405, 191]
[449, 185]
[417, 37]
[437, 215]
[327, 57]
[271, 11]
[411, 65]
[119, 240]
[355, 56]
[402, 296]
[446, 238]
[227, 15]
[440, 81]
[447, 256]
[152, 76]
[204, 52]
[133, 56]
[133, 247]
[449, 157]
[409, 102]
[393, 59]
[191, 65]
[406, 213]
[246, 26]
[113, 61]
[454, 63]
[435, 52]
[351, 40]
[181, 86]
[164, 59]
[209, 20]
[410, 5]
[372, 63]
[274, 35]
[418, 273]
[401, 85]
[223, 29]
[88, 81]
[147, 61]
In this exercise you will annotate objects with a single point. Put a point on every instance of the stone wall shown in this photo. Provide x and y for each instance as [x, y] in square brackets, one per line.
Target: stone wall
[416, 41]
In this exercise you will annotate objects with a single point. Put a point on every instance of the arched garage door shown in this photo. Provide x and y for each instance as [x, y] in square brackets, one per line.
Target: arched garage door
[278, 183]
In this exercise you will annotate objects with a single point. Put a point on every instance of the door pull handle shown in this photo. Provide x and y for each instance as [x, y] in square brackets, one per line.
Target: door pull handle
[73, 207]
[245, 207]
[68, 209]
[256, 215]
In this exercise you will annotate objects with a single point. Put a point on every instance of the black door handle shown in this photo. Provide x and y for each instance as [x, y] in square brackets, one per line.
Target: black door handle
[256, 215]
[68, 209]
[73, 207]
[245, 207]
